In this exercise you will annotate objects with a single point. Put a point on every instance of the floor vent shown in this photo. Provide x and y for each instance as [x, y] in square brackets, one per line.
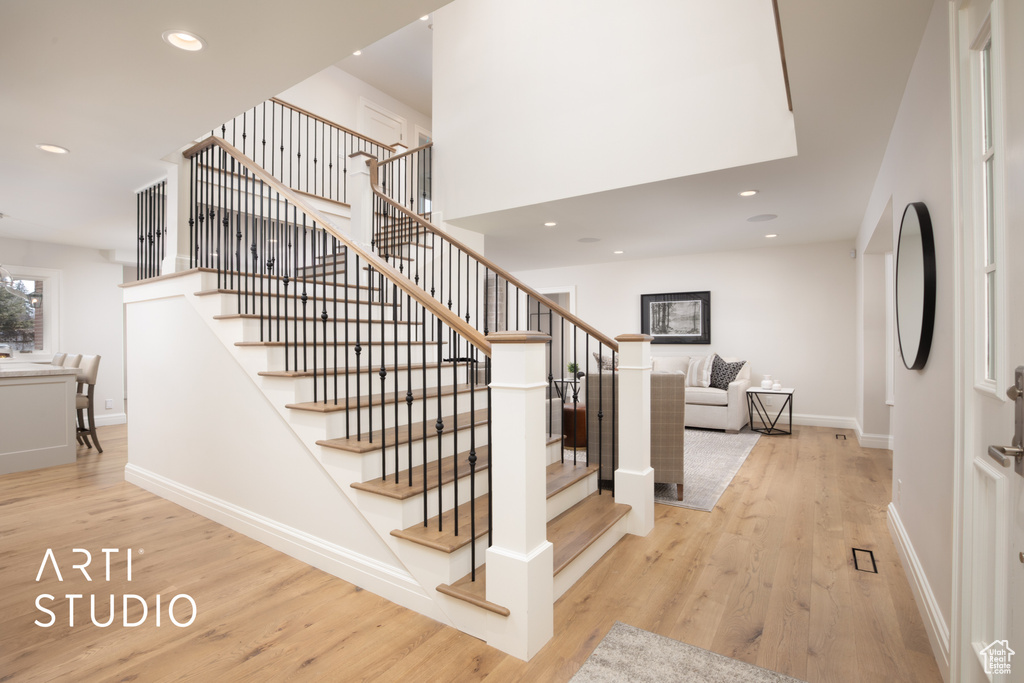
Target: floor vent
[861, 558]
[841, 436]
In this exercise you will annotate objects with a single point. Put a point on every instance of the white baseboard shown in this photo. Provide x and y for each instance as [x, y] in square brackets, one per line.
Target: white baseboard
[112, 419]
[394, 584]
[934, 623]
[883, 441]
[823, 421]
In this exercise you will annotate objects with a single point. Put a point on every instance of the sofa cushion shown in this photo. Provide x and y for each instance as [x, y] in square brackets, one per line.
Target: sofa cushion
[670, 363]
[699, 373]
[723, 373]
[707, 396]
[603, 360]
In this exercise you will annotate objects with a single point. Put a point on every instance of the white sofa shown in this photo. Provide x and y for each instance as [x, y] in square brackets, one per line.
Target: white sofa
[708, 407]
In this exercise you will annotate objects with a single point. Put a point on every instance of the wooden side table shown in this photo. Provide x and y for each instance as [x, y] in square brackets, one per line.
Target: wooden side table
[755, 405]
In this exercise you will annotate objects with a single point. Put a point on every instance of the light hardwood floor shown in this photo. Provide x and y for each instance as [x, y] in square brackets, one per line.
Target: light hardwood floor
[767, 577]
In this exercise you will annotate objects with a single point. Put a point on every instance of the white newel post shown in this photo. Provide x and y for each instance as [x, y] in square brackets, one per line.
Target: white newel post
[634, 480]
[360, 197]
[521, 560]
[179, 180]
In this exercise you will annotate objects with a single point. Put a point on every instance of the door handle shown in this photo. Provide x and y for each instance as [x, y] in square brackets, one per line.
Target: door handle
[1005, 455]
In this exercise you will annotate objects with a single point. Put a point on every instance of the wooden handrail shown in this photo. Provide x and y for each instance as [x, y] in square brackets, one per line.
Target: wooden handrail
[427, 225]
[331, 123]
[470, 334]
[406, 153]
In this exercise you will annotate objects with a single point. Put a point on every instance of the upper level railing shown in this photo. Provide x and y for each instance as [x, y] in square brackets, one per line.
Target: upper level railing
[581, 359]
[150, 229]
[306, 152]
[408, 179]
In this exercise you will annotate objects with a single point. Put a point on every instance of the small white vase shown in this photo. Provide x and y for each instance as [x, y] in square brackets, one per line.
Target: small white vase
[777, 386]
[766, 383]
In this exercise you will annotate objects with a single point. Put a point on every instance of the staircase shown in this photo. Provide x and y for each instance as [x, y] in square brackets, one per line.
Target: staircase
[382, 363]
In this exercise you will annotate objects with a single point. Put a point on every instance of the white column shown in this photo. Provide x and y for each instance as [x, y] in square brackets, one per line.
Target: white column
[521, 560]
[178, 183]
[634, 480]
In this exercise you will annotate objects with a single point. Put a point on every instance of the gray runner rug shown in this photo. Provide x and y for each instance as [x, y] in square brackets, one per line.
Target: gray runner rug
[631, 654]
[711, 460]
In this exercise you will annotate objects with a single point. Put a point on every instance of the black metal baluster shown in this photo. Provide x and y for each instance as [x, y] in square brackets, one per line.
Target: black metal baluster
[369, 348]
[439, 427]
[472, 468]
[358, 350]
[408, 378]
[490, 456]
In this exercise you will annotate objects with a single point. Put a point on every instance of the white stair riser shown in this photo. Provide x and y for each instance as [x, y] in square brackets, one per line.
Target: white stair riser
[434, 567]
[369, 463]
[300, 389]
[565, 499]
[231, 304]
[370, 356]
[391, 513]
[256, 330]
[333, 423]
[565, 579]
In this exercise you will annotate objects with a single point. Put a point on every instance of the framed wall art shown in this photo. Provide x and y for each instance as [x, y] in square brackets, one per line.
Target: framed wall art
[680, 318]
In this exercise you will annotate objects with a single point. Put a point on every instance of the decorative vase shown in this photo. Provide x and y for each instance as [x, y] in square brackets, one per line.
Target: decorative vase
[766, 383]
[777, 386]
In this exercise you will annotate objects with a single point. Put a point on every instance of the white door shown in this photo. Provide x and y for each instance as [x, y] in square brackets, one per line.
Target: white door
[987, 641]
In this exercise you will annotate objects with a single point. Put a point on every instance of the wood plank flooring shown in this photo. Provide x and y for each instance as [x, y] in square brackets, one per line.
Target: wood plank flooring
[766, 577]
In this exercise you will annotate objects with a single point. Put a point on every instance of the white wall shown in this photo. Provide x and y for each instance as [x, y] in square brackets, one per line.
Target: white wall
[789, 311]
[916, 167]
[334, 94]
[581, 97]
[91, 320]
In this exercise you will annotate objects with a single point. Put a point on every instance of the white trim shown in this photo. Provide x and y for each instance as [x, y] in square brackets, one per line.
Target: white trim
[566, 289]
[836, 421]
[112, 419]
[386, 581]
[927, 604]
[883, 441]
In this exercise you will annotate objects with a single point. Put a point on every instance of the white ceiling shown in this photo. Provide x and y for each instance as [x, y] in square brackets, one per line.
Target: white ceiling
[97, 78]
[122, 105]
[400, 65]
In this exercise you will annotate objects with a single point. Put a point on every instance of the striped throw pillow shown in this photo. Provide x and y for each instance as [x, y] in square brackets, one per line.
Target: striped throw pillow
[699, 372]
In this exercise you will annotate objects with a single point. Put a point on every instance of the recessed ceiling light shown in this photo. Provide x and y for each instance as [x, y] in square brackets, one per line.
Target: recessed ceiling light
[762, 217]
[357, 53]
[771, 236]
[550, 224]
[588, 240]
[183, 40]
[424, 17]
[748, 193]
[617, 252]
[52, 149]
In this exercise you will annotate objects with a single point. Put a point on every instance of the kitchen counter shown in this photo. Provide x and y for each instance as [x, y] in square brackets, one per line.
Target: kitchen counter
[37, 416]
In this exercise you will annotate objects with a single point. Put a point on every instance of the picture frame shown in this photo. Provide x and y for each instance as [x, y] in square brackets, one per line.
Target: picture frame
[677, 318]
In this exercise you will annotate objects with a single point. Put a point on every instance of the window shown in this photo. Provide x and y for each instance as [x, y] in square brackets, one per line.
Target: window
[28, 311]
[987, 228]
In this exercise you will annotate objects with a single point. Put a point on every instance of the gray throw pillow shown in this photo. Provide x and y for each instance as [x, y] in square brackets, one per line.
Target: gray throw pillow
[723, 374]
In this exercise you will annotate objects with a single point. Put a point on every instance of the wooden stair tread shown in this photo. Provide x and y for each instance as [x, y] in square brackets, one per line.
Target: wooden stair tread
[341, 342]
[389, 399]
[570, 533]
[291, 295]
[403, 490]
[447, 540]
[341, 371]
[315, 319]
[473, 592]
[577, 528]
[402, 434]
[559, 476]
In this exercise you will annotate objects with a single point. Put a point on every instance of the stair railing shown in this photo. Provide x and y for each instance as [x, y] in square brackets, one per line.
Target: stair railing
[281, 258]
[150, 229]
[306, 152]
[408, 179]
[581, 359]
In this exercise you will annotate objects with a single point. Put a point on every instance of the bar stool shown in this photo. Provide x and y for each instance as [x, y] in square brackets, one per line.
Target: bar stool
[58, 359]
[87, 372]
[73, 361]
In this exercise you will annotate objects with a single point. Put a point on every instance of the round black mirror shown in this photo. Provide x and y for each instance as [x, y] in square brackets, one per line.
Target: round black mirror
[915, 285]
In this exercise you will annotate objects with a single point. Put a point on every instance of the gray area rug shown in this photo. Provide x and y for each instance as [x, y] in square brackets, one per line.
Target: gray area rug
[711, 460]
[631, 654]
